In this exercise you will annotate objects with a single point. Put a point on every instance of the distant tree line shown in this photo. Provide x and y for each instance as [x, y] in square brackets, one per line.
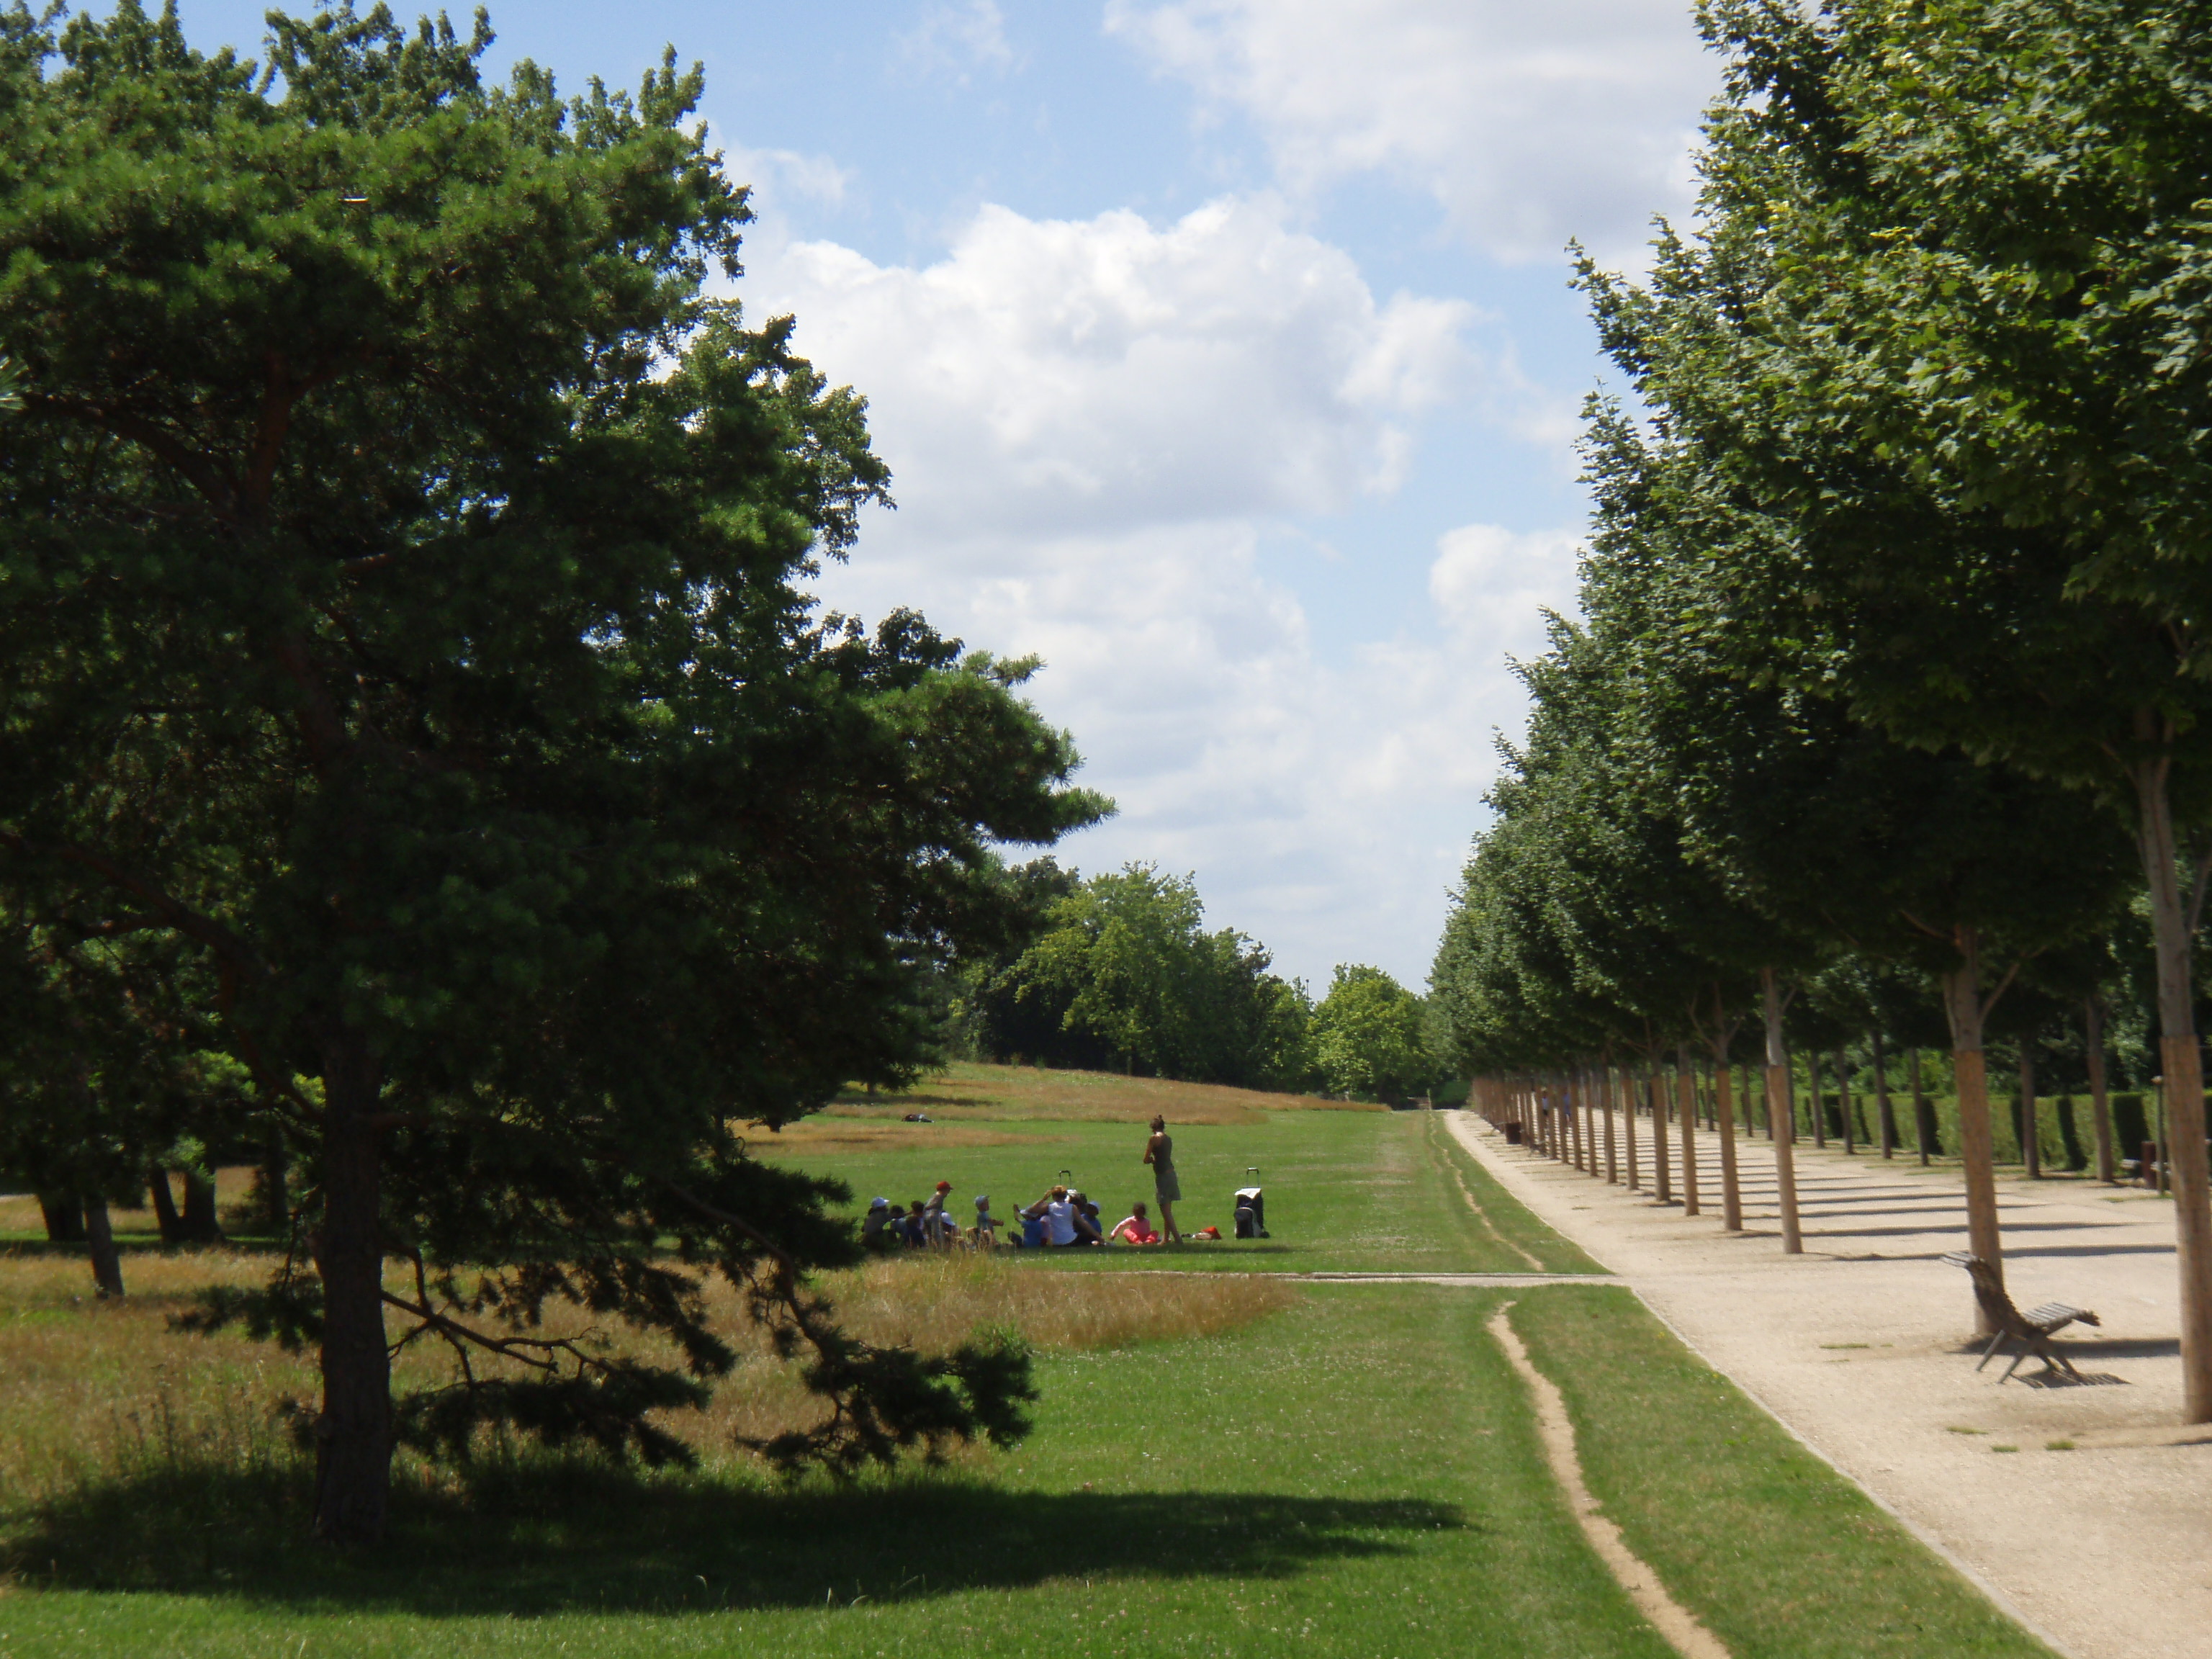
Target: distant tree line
[1886, 721]
[1119, 973]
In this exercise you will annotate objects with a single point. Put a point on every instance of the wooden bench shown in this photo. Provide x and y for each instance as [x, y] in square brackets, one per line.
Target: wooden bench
[2033, 1330]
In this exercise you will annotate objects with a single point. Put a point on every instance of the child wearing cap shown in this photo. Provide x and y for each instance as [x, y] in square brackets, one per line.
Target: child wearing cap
[987, 1224]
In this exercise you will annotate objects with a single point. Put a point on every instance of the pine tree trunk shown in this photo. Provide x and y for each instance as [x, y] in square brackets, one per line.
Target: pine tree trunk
[273, 1182]
[2183, 1068]
[200, 1225]
[1884, 1114]
[353, 1436]
[106, 1260]
[2100, 1104]
[1962, 1002]
[1778, 1116]
[1725, 1124]
[1685, 1105]
[166, 1220]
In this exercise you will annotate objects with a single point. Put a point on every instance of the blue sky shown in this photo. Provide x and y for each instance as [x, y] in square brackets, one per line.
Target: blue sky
[1223, 355]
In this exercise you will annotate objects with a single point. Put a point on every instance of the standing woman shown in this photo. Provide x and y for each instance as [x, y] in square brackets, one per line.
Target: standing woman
[1159, 1152]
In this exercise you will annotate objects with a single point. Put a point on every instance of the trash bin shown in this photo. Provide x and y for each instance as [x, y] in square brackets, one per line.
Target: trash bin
[1513, 1134]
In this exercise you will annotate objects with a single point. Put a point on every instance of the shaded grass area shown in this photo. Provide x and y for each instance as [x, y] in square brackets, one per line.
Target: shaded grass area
[1778, 1554]
[1346, 1190]
[1212, 1495]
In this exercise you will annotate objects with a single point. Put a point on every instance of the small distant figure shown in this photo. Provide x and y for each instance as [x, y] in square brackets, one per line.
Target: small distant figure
[932, 1211]
[917, 1117]
[1135, 1228]
[878, 1231]
[916, 1225]
[1159, 1152]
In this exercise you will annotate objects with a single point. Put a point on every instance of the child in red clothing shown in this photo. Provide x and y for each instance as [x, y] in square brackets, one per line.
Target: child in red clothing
[1135, 1229]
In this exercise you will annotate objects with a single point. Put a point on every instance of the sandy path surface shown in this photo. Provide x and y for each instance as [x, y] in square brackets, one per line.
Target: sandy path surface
[1860, 1346]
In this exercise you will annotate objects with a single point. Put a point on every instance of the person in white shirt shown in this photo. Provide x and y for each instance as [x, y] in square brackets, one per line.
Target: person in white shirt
[1057, 1215]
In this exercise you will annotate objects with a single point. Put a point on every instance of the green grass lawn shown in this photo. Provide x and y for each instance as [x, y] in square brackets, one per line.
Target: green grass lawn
[1224, 1495]
[1356, 1473]
[1346, 1191]
[1777, 1553]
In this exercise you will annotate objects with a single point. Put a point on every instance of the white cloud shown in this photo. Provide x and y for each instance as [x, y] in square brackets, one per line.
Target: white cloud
[954, 41]
[1324, 805]
[1099, 430]
[789, 176]
[1052, 375]
[1491, 586]
[1529, 122]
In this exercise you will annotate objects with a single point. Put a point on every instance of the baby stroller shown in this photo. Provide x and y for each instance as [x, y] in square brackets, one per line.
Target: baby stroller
[1251, 1211]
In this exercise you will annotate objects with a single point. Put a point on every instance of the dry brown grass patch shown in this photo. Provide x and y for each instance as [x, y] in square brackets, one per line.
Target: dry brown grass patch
[92, 1389]
[971, 1089]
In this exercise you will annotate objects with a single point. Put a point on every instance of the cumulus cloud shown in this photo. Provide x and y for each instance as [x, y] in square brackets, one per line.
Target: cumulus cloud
[1527, 123]
[1324, 804]
[1048, 375]
[1492, 585]
[787, 176]
[955, 41]
[1099, 430]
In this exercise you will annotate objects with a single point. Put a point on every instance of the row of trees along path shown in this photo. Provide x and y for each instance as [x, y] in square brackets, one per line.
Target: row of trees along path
[1891, 659]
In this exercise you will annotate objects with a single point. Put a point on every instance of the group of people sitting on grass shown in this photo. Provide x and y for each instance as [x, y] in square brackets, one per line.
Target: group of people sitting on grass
[1063, 1218]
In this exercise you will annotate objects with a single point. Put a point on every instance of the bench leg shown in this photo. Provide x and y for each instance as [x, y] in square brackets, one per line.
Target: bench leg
[2010, 1369]
[1990, 1353]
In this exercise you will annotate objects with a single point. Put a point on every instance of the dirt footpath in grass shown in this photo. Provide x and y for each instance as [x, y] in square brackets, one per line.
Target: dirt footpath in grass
[1860, 1346]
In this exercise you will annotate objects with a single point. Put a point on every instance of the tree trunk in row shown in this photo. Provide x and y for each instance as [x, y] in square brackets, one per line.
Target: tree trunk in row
[1924, 1113]
[1724, 1121]
[2101, 1104]
[1883, 1112]
[1659, 1174]
[2029, 1124]
[1686, 1101]
[1962, 1002]
[1780, 1117]
[2183, 1069]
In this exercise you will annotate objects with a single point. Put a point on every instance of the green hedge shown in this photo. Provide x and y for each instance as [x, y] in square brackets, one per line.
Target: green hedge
[2131, 1114]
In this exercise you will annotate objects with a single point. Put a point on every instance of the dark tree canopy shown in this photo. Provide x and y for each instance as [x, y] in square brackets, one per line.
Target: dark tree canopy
[403, 644]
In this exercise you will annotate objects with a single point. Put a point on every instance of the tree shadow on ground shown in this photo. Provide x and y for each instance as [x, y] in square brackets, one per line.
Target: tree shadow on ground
[531, 1540]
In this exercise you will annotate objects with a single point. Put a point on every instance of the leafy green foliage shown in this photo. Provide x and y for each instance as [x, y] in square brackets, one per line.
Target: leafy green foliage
[402, 607]
[1368, 1036]
[1121, 974]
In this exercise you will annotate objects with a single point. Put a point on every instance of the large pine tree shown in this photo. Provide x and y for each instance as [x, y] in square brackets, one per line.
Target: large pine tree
[402, 565]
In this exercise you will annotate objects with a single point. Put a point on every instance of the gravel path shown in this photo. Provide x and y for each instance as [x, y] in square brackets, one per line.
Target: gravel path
[1860, 1345]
